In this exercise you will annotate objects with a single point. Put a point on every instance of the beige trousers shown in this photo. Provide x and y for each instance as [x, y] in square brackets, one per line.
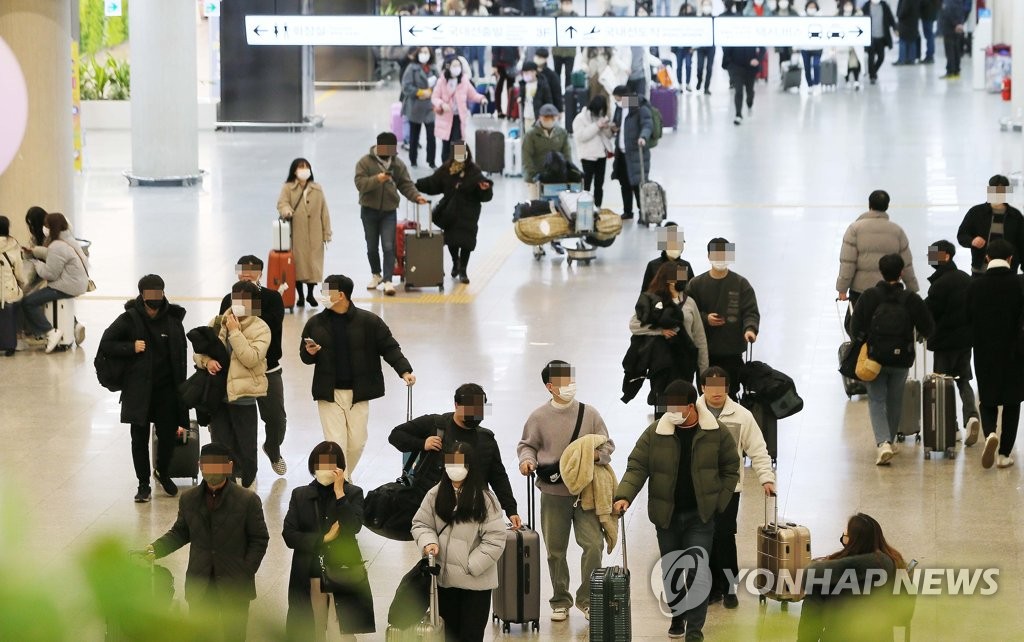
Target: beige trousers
[344, 423]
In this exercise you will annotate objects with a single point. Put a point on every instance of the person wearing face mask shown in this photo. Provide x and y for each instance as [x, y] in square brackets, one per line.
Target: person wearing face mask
[714, 383]
[465, 190]
[995, 218]
[323, 519]
[593, 133]
[247, 339]
[541, 58]
[671, 242]
[345, 344]
[536, 92]
[691, 462]
[451, 99]
[668, 336]
[883, 25]
[548, 432]
[250, 268]
[757, 8]
[302, 202]
[545, 136]
[380, 177]
[729, 305]
[436, 434]
[226, 532]
[460, 524]
[632, 125]
[418, 84]
[149, 338]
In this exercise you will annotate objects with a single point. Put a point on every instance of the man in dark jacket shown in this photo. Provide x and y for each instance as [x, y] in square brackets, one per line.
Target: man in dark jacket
[742, 64]
[995, 303]
[991, 220]
[728, 305]
[345, 345]
[537, 83]
[542, 57]
[929, 12]
[275, 420]
[632, 125]
[693, 467]
[887, 316]
[463, 425]
[951, 342]
[227, 535]
[908, 15]
[671, 243]
[952, 17]
[150, 338]
[883, 24]
[504, 60]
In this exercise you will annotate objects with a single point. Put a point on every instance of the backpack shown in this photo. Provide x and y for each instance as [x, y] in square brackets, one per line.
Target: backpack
[891, 332]
[111, 370]
[10, 288]
[656, 129]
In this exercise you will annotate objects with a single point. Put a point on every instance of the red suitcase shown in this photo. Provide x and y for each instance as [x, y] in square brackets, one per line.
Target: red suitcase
[281, 276]
[400, 229]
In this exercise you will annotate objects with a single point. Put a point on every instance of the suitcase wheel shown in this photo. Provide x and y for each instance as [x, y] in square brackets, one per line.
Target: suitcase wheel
[917, 438]
[195, 481]
[506, 627]
[927, 454]
[440, 287]
[536, 625]
[785, 606]
[950, 453]
[900, 438]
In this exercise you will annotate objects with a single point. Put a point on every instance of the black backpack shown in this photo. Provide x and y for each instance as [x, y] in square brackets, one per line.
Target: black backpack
[111, 370]
[891, 333]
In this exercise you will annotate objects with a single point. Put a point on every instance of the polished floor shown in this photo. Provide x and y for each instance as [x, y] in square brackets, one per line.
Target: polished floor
[783, 187]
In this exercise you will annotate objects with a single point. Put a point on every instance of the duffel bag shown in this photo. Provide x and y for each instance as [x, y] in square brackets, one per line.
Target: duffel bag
[539, 230]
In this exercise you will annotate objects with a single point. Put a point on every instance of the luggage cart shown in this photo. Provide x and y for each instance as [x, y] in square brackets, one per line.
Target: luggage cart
[580, 251]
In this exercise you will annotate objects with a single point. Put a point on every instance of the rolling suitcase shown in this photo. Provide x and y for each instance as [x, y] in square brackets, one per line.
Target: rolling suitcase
[517, 598]
[487, 106]
[282, 236]
[281, 276]
[762, 68]
[574, 100]
[667, 102]
[791, 77]
[910, 417]
[185, 460]
[429, 629]
[397, 122]
[610, 611]
[939, 415]
[829, 73]
[490, 151]
[513, 157]
[400, 229]
[652, 199]
[784, 551]
[424, 254]
[61, 315]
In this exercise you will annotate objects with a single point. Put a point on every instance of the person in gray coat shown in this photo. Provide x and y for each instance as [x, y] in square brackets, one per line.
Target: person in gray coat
[417, 87]
[632, 125]
[460, 523]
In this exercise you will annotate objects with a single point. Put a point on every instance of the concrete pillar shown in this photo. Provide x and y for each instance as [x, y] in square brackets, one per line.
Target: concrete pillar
[38, 31]
[165, 113]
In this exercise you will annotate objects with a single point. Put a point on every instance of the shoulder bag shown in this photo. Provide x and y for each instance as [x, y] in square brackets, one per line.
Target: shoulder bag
[552, 473]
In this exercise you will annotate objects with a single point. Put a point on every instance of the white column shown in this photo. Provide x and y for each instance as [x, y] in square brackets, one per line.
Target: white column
[1016, 15]
[165, 113]
[42, 172]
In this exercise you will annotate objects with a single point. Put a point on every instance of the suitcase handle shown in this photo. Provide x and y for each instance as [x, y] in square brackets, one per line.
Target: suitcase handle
[622, 533]
[776, 503]
[531, 500]
[435, 617]
[408, 405]
[416, 215]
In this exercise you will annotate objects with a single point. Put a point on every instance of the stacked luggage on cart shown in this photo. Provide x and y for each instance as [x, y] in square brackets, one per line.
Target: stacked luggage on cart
[566, 212]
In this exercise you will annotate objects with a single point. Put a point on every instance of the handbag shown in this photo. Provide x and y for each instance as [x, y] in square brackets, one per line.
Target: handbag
[867, 368]
[443, 216]
[91, 286]
[388, 510]
[552, 473]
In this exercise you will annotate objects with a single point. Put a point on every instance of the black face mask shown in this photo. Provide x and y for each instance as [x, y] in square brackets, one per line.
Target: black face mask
[154, 304]
[472, 421]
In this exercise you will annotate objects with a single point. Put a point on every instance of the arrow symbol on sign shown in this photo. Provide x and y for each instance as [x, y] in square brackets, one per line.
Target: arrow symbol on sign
[571, 31]
[438, 27]
[593, 30]
[860, 31]
[256, 30]
[412, 30]
[275, 31]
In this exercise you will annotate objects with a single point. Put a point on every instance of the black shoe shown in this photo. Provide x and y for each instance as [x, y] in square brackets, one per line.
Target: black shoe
[300, 301]
[455, 270]
[715, 597]
[628, 216]
[699, 82]
[166, 483]
[707, 92]
[463, 278]
[928, 61]
[730, 601]
[501, 116]
[144, 495]
[9, 353]
[678, 628]
[311, 300]
[695, 636]
[413, 164]
[432, 165]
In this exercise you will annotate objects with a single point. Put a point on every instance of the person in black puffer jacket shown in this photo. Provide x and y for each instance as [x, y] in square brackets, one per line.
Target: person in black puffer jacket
[150, 334]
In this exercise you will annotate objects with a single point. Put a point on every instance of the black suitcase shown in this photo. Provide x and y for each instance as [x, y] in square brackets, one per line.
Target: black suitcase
[185, 460]
[610, 612]
[791, 78]
[939, 415]
[490, 151]
[575, 100]
[8, 328]
[850, 386]
[517, 598]
[424, 254]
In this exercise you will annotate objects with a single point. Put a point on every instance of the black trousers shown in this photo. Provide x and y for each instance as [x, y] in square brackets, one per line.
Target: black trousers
[593, 172]
[952, 42]
[456, 134]
[723, 548]
[460, 258]
[164, 414]
[465, 613]
[234, 426]
[567, 62]
[731, 363]
[1011, 418]
[876, 56]
[629, 191]
[705, 65]
[506, 77]
[742, 80]
[414, 142]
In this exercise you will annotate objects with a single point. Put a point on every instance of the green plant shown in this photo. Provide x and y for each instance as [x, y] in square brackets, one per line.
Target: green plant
[120, 78]
[110, 80]
[98, 31]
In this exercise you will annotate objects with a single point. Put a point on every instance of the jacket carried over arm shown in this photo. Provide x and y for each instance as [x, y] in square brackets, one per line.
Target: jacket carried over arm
[247, 369]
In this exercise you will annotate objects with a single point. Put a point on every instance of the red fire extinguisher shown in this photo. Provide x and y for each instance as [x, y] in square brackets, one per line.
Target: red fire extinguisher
[1007, 88]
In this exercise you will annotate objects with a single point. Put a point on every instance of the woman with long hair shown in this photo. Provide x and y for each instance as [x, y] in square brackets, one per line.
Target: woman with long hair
[460, 523]
[302, 201]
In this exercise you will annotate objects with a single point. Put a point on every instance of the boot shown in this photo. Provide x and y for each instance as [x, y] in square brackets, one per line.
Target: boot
[309, 296]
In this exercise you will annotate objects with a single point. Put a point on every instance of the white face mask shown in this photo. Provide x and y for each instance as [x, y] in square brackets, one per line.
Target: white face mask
[325, 300]
[759, 2]
[675, 418]
[46, 231]
[238, 310]
[324, 477]
[875, 1]
[303, 174]
[673, 254]
[547, 123]
[456, 472]
[812, 12]
[424, 58]
[783, 5]
[567, 392]
[720, 265]
[456, 70]
[996, 198]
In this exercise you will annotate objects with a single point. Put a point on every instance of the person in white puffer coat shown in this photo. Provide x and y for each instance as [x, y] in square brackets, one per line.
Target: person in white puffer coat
[593, 134]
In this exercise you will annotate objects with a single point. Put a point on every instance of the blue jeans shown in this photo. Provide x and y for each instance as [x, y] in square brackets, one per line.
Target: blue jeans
[379, 229]
[687, 531]
[885, 402]
[36, 323]
[620, 11]
[663, 8]
[812, 67]
[477, 55]
[908, 50]
[928, 27]
[684, 58]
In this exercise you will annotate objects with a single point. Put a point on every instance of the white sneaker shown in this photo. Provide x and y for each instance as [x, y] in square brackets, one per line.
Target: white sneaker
[895, 448]
[973, 430]
[560, 614]
[884, 454]
[1005, 461]
[374, 282]
[52, 339]
[389, 288]
[988, 456]
[79, 333]
[738, 120]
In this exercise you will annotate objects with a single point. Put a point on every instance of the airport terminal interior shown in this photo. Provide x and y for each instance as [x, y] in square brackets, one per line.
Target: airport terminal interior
[783, 187]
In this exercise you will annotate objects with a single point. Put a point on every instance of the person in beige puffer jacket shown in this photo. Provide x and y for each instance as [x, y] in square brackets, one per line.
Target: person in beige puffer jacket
[247, 339]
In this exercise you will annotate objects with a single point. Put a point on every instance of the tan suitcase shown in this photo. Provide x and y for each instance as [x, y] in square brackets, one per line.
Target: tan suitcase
[784, 551]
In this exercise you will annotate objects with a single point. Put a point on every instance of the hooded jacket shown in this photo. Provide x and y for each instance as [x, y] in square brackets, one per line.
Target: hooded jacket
[748, 437]
[247, 368]
[866, 240]
[383, 196]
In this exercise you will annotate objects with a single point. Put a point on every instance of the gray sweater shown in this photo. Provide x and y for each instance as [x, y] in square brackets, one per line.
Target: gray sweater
[548, 432]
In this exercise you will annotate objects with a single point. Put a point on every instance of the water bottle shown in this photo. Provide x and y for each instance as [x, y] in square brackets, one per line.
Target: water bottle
[585, 213]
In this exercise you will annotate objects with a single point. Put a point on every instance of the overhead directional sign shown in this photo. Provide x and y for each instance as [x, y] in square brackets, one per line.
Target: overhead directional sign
[112, 8]
[805, 32]
[211, 8]
[477, 31]
[323, 30]
[647, 31]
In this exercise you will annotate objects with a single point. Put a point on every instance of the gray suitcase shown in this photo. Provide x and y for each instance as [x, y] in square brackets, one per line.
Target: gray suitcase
[939, 416]
[791, 78]
[910, 418]
[424, 253]
[652, 199]
[430, 628]
[490, 151]
[517, 598]
[829, 73]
